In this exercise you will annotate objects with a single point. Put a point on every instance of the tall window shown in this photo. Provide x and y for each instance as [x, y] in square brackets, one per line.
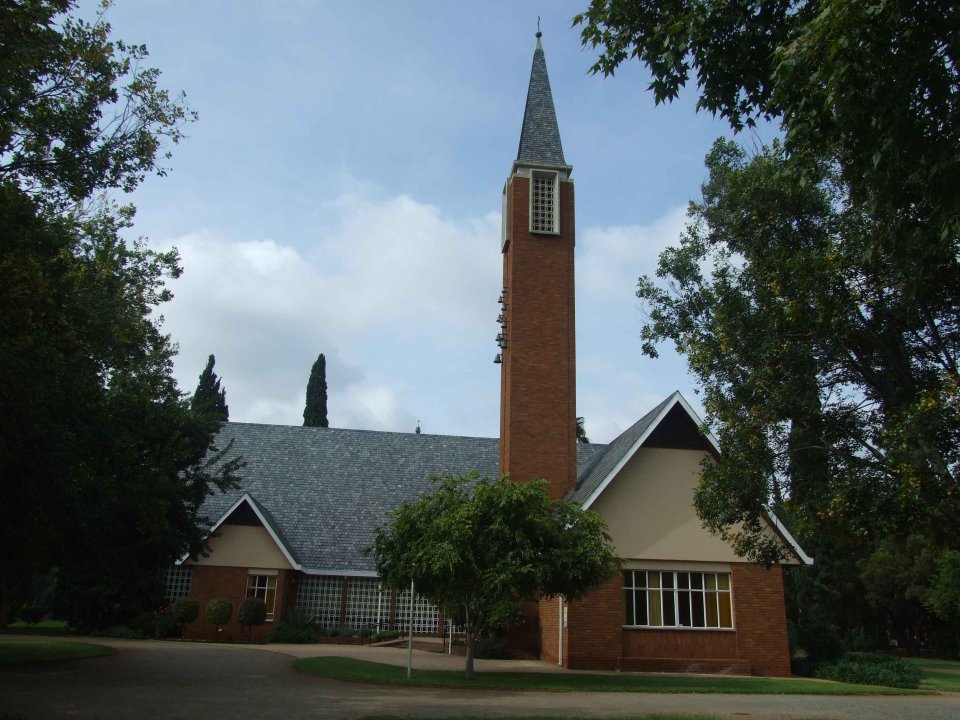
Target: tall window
[265, 588]
[543, 203]
[179, 578]
[426, 615]
[365, 601]
[319, 595]
[656, 598]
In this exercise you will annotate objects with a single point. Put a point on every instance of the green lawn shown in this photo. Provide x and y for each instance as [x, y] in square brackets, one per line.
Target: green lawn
[656, 716]
[939, 675]
[44, 627]
[349, 669]
[14, 651]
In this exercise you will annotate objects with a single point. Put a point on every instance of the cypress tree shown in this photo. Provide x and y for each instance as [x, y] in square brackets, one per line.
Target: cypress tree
[209, 396]
[315, 411]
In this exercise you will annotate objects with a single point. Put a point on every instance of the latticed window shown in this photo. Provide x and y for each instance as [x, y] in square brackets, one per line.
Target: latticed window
[426, 616]
[655, 598]
[179, 578]
[367, 604]
[543, 203]
[265, 588]
[319, 595]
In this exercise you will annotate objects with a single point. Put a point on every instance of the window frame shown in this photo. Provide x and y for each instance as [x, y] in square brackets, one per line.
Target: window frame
[554, 177]
[269, 585]
[660, 588]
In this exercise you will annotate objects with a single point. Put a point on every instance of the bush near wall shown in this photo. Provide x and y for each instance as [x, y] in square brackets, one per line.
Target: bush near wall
[886, 670]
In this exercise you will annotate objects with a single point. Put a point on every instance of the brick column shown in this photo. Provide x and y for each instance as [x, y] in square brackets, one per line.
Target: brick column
[760, 618]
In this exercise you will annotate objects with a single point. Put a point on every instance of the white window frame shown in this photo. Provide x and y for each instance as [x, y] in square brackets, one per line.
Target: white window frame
[554, 177]
[635, 591]
[255, 589]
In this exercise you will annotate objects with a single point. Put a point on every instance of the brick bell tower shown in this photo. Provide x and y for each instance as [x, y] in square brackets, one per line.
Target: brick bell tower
[537, 340]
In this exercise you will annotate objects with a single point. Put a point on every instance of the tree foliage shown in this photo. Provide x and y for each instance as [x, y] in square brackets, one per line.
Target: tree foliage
[110, 464]
[475, 545]
[315, 410]
[873, 87]
[252, 611]
[79, 112]
[581, 432]
[209, 397]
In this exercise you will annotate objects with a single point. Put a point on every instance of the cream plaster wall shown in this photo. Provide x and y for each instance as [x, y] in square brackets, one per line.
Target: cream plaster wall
[649, 508]
[246, 546]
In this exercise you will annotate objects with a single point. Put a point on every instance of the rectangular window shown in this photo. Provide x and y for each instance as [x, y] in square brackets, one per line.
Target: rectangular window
[657, 598]
[319, 595]
[265, 588]
[179, 579]
[543, 203]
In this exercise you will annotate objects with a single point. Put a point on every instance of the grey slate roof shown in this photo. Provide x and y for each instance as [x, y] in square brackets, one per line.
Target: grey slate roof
[540, 136]
[606, 460]
[324, 490]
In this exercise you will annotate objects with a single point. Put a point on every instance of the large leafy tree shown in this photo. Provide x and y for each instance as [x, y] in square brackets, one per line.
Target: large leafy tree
[209, 396]
[475, 545]
[832, 388]
[315, 409]
[104, 464]
[872, 86]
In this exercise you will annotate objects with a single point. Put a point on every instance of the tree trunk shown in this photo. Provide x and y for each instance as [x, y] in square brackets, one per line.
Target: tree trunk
[468, 626]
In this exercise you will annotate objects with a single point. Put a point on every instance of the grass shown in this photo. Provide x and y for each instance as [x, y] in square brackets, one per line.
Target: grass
[938, 675]
[655, 716]
[14, 651]
[44, 627]
[342, 668]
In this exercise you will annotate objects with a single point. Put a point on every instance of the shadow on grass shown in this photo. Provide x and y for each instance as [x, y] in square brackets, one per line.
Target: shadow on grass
[341, 668]
[20, 651]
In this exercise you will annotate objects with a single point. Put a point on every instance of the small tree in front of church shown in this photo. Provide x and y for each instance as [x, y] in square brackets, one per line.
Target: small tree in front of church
[475, 543]
[252, 611]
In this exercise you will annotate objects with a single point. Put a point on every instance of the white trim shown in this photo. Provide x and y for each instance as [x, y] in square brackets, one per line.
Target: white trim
[674, 400]
[633, 449]
[339, 573]
[253, 506]
[782, 529]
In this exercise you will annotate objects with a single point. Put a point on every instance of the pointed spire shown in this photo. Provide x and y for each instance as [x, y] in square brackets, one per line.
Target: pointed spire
[540, 136]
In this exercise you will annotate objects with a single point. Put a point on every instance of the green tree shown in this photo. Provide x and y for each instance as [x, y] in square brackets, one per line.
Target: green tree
[475, 544]
[871, 84]
[315, 411]
[209, 397]
[219, 613]
[252, 611]
[111, 464]
[581, 432]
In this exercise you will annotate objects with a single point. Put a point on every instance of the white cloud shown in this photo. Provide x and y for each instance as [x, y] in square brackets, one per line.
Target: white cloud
[381, 272]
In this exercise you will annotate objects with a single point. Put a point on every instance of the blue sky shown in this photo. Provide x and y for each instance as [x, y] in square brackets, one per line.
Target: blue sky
[341, 194]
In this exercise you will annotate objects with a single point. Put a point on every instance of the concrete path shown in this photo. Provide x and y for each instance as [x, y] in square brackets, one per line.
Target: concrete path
[190, 680]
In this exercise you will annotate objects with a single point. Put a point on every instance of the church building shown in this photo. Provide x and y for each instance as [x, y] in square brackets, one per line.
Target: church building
[310, 498]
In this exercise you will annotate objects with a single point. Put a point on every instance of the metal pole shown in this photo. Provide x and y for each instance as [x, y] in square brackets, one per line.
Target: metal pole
[410, 635]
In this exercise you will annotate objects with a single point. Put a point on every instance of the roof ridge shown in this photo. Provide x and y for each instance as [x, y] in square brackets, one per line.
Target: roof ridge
[357, 430]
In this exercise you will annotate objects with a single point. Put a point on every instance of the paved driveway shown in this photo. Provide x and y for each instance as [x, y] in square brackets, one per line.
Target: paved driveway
[180, 680]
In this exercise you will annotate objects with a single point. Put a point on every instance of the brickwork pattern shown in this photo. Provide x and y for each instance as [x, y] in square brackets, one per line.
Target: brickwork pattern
[538, 375]
[213, 582]
[761, 619]
[594, 628]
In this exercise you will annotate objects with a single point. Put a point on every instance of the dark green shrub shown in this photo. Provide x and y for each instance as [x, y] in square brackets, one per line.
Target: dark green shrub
[166, 626]
[252, 611]
[297, 626]
[492, 648]
[383, 635]
[32, 614]
[185, 611]
[887, 670]
[219, 613]
[122, 632]
[820, 640]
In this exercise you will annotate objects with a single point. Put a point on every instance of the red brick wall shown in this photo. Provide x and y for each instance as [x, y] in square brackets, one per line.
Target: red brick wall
[213, 582]
[761, 618]
[703, 644]
[593, 628]
[538, 375]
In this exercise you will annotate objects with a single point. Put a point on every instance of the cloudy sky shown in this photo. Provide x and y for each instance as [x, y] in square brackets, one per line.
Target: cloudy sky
[341, 194]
